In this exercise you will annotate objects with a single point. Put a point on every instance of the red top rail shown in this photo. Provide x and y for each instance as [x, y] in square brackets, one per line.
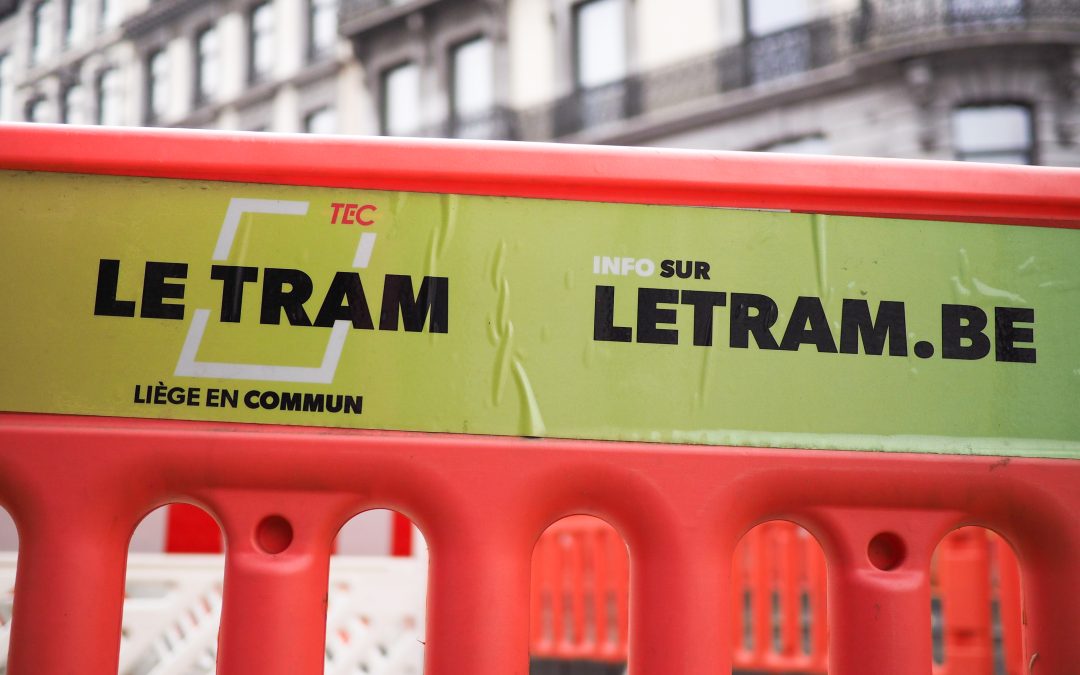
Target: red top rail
[1041, 196]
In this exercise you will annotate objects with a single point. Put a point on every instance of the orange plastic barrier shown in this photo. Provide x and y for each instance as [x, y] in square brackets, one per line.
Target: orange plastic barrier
[77, 486]
[779, 586]
[975, 570]
[778, 582]
[580, 584]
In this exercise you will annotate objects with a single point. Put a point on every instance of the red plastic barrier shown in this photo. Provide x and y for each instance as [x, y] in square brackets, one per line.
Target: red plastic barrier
[974, 567]
[776, 560]
[778, 583]
[77, 486]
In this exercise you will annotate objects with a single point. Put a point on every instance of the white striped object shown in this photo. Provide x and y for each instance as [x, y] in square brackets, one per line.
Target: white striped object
[375, 616]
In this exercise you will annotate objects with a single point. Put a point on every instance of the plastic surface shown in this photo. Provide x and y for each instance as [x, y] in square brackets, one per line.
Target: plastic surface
[440, 312]
[76, 487]
[580, 583]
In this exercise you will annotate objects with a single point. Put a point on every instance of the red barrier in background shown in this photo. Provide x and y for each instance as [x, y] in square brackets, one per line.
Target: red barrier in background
[973, 568]
[77, 486]
[580, 583]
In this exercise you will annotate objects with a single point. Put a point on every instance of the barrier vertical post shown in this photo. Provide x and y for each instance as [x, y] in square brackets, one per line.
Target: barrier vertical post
[76, 554]
[879, 592]
[478, 611]
[273, 619]
[673, 566]
[1051, 585]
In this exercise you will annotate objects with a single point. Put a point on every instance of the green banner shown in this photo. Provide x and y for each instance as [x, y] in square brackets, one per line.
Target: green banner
[492, 315]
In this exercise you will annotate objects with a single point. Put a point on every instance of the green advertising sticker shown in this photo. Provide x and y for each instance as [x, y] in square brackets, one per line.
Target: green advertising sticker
[490, 315]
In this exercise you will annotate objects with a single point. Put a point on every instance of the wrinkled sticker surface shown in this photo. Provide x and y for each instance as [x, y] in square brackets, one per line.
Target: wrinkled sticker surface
[490, 315]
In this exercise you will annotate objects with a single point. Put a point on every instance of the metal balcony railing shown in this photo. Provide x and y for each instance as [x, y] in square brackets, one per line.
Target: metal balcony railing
[876, 27]
[497, 123]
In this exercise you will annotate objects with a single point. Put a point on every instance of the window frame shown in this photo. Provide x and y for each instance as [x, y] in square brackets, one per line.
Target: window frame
[32, 103]
[314, 51]
[384, 98]
[254, 75]
[1030, 152]
[103, 93]
[5, 63]
[453, 105]
[575, 10]
[151, 115]
[313, 113]
[200, 94]
[41, 47]
[65, 102]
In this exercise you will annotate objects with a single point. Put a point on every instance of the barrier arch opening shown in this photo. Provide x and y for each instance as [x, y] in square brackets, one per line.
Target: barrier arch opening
[9, 551]
[377, 596]
[779, 591]
[976, 615]
[579, 599]
[173, 592]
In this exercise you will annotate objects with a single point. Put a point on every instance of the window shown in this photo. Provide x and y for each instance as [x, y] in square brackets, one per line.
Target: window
[322, 26]
[110, 13]
[41, 45]
[599, 43]
[207, 65]
[261, 45]
[73, 105]
[984, 10]
[5, 86]
[401, 100]
[157, 85]
[37, 110]
[803, 145]
[109, 110]
[781, 39]
[321, 121]
[771, 16]
[472, 68]
[1001, 134]
[76, 21]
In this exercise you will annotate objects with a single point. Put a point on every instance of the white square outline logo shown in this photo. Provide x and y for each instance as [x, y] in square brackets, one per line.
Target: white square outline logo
[188, 364]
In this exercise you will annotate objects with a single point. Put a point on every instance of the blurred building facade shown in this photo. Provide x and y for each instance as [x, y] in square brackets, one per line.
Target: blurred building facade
[993, 80]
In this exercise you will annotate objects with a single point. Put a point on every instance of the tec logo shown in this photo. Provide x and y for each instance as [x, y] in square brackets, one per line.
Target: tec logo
[352, 214]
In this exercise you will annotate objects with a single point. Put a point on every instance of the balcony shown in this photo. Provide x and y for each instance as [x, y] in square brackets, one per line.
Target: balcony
[357, 17]
[880, 31]
[495, 124]
[158, 14]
